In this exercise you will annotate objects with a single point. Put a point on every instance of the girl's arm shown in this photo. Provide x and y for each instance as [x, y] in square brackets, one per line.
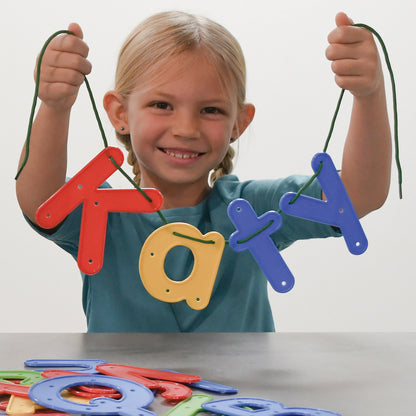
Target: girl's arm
[64, 66]
[366, 164]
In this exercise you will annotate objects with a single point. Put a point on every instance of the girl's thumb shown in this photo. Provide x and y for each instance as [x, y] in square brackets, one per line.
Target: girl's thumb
[75, 28]
[341, 19]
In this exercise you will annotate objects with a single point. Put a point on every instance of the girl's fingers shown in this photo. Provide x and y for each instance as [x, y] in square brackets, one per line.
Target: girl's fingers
[356, 84]
[58, 91]
[349, 67]
[63, 75]
[65, 60]
[349, 34]
[70, 44]
[341, 51]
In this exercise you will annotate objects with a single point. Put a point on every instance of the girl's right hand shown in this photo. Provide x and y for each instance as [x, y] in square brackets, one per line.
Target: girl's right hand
[63, 69]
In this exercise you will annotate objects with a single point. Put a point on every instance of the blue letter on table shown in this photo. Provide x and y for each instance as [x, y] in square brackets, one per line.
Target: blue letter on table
[247, 406]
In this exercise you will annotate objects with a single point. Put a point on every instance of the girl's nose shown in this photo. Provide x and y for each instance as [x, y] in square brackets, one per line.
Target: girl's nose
[185, 125]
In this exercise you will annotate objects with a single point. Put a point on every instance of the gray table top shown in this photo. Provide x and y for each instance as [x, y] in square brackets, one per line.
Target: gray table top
[354, 374]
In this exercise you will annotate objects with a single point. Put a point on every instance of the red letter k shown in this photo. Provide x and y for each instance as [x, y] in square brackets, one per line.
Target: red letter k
[97, 203]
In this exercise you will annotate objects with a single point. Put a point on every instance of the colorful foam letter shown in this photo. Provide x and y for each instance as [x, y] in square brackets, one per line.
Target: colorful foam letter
[97, 203]
[19, 405]
[129, 372]
[337, 210]
[166, 382]
[80, 366]
[214, 387]
[190, 406]
[211, 386]
[135, 397]
[21, 390]
[26, 376]
[83, 391]
[253, 233]
[197, 287]
[260, 407]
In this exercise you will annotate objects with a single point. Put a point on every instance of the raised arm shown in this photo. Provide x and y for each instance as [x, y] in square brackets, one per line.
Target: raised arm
[63, 69]
[366, 163]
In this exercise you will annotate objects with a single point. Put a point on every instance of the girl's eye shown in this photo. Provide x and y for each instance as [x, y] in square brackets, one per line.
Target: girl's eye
[161, 105]
[212, 110]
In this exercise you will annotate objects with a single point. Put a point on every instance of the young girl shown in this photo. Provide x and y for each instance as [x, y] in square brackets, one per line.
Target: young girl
[178, 105]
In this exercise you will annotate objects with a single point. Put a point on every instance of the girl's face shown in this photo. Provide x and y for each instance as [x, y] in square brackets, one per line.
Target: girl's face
[181, 121]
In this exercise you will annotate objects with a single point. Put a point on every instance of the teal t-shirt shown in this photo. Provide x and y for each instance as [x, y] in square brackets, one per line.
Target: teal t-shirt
[115, 300]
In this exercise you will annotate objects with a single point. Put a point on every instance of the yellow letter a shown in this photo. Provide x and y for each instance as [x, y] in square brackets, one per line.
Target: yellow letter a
[197, 287]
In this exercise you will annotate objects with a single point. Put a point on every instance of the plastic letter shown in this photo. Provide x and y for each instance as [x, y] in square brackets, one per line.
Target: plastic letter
[197, 287]
[190, 406]
[244, 406]
[211, 386]
[337, 210]
[19, 405]
[90, 391]
[80, 366]
[173, 391]
[241, 407]
[167, 382]
[214, 387]
[260, 245]
[97, 203]
[128, 371]
[27, 377]
[21, 390]
[135, 397]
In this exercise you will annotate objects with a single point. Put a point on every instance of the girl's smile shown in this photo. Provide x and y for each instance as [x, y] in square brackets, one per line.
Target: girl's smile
[180, 154]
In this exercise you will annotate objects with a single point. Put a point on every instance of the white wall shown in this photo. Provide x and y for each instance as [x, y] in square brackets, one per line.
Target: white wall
[290, 81]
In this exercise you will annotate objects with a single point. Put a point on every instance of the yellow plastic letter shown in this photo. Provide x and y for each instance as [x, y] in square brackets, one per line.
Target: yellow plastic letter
[196, 289]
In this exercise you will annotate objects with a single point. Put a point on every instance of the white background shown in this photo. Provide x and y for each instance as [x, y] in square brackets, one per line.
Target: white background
[291, 84]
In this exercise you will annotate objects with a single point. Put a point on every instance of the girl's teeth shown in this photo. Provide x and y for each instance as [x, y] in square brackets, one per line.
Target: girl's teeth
[182, 156]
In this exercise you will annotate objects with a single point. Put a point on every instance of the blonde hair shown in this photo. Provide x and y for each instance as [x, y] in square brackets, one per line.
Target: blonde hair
[168, 34]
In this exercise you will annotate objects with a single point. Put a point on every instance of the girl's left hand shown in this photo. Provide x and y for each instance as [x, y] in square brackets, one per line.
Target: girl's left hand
[355, 59]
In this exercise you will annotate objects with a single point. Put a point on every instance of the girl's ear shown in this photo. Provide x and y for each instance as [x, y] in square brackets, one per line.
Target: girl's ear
[244, 118]
[116, 108]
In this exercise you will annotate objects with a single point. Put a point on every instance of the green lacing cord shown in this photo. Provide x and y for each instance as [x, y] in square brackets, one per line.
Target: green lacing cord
[394, 95]
[193, 238]
[163, 218]
[315, 175]
[244, 240]
[35, 99]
